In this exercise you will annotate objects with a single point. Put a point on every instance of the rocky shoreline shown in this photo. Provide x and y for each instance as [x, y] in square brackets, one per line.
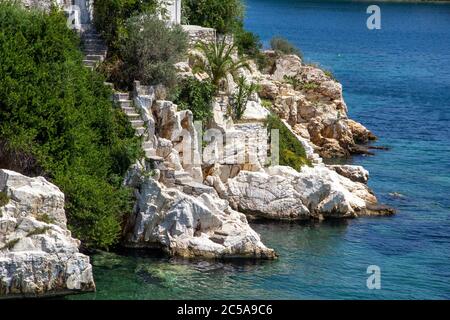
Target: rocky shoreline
[38, 256]
[196, 188]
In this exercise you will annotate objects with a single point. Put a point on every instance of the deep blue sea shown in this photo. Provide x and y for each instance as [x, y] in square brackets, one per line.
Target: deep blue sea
[396, 82]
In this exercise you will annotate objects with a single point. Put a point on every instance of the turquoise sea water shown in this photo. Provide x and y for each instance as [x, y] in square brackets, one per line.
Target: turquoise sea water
[397, 82]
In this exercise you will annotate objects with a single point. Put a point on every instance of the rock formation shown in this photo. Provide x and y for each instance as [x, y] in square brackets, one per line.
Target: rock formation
[38, 256]
[311, 101]
[282, 193]
[189, 226]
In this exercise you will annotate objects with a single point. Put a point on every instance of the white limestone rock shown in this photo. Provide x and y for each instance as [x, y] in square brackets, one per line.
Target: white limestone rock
[354, 173]
[38, 256]
[203, 226]
[284, 194]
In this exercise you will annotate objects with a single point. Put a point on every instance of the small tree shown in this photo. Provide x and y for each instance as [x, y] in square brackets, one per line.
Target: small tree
[216, 59]
[149, 49]
[240, 99]
[222, 15]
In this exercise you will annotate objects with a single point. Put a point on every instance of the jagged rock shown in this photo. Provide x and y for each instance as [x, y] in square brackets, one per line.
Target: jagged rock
[282, 193]
[313, 99]
[187, 226]
[354, 173]
[360, 133]
[255, 112]
[38, 256]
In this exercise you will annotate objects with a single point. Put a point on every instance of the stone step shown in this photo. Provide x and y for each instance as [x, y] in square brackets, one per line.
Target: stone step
[122, 96]
[125, 103]
[95, 52]
[140, 131]
[133, 116]
[94, 47]
[92, 39]
[94, 57]
[128, 110]
[90, 63]
[137, 124]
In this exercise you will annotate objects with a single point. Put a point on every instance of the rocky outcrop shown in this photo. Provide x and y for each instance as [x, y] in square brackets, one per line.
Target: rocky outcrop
[354, 173]
[38, 256]
[188, 226]
[282, 193]
[311, 101]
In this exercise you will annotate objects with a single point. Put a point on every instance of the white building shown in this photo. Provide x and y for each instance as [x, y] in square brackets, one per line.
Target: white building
[172, 11]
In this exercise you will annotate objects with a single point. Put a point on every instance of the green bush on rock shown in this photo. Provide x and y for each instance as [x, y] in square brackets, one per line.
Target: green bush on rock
[283, 46]
[148, 49]
[292, 153]
[59, 113]
[110, 16]
[197, 96]
[224, 16]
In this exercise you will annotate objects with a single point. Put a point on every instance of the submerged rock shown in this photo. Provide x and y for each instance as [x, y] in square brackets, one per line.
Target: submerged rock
[38, 256]
[282, 193]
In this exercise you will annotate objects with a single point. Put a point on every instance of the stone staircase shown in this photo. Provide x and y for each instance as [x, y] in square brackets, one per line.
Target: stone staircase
[94, 48]
[126, 104]
[95, 51]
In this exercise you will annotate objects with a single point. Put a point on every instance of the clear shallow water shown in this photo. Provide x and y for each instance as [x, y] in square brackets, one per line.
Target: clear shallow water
[396, 82]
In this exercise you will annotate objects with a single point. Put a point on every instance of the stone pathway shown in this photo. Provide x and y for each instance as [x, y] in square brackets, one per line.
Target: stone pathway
[95, 51]
[94, 48]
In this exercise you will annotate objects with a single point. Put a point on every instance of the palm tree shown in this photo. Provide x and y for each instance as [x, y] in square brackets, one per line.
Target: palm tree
[216, 60]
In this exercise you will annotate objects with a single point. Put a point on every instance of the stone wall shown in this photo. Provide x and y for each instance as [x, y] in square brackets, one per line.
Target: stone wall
[197, 33]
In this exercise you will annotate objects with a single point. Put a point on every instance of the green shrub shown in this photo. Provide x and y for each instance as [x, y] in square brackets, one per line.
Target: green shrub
[240, 99]
[329, 74]
[283, 46]
[297, 84]
[216, 59]
[110, 16]
[247, 42]
[149, 49]
[4, 199]
[197, 96]
[58, 112]
[292, 153]
[224, 16]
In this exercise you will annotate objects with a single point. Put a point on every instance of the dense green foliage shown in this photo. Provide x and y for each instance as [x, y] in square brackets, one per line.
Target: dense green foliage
[110, 16]
[196, 96]
[147, 50]
[224, 16]
[292, 153]
[283, 46]
[227, 17]
[216, 60]
[58, 113]
[240, 98]
[247, 42]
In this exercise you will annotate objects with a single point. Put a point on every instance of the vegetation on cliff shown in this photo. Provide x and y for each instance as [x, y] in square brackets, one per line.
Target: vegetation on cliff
[57, 120]
[292, 153]
[141, 46]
